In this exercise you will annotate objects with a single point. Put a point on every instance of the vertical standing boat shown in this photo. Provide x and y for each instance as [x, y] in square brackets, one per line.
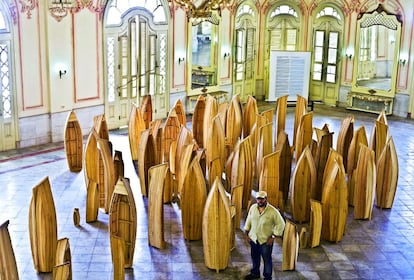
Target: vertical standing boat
[146, 110]
[63, 262]
[108, 172]
[147, 158]
[303, 134]
[345, 135]
[285, 166]
[269, 178]
[290, 246]
[8, 266]
[198, 121]
[249, 115]
[73, 142]
[281, 107]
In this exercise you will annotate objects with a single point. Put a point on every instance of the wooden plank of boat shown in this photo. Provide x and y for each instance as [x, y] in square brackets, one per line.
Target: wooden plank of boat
[210, 112]
[193, 198]
[300, 110]
[303, 134]
[315, 224]
[214, 144]
[281, 108]
[73, 142]
[8, 265]
[333, 158]
[249, 115]
[268, 116]
[170, 132]
[146, 110]
[303, 186]
[91, 159]
[334, 201]
[101, 127]
[119, 167]
[123, 220]
[254, 140]
[109, 171]
[290, 246]
[323, 146]
[285, 165]
[63, 260]
[118, 259]
[365, 183]
[222, 112]
[146, 159]
[234, 123]
[92, 201]
[155, 205]
[136, 125]
[381, 136]
[387, 175]
[264, 146]
[180, 112]
[359, 138]
[181, 153]
[156, 132]
[236, 197]
[217, 228]
[43, 227]
[185, 159]
[198, 120]
[215, 169]
[269, 177]
[345, 135]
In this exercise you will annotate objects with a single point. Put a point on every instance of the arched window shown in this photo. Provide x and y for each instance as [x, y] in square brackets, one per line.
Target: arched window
[329, 11]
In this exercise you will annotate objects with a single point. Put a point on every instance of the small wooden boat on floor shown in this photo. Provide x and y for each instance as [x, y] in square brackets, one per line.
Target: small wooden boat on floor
[264, 146]
[119, 167]
[118, 259]
[234, 123]
[43, 227]
[269, 177]
[91, 158]
[324, 144]
[281, 108]
[147, 158]
[180, 112]
[73, 142]
[303, 134]
[300, 110]
[156, 175]
[285, 165]
[8, 265]
[345, 135]
[236, 196]
[210, 111]
[101, 127]
[198, 121]
[387, 175]
[193, 198]
[156, 132]
[315, 223]
[108, 171]
[217, 228]
[290, 246]
[123, 220]
[249, 115]
[215, 143]
[146, 110]
[63, 262]
[379, 137]
[136, 125]
[171, 130]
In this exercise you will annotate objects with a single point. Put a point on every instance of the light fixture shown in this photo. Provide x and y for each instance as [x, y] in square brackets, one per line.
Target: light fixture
[403, 61]
[181, 59]
[61, 73]
[349, 56]
[226, 55]
[200, 9]
[60, 8]
[349, 53]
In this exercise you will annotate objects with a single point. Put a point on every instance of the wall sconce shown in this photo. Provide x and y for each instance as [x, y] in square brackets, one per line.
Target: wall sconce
[349, 56]
[226, 55]
[403, 61]
[61, 73]
[181, 59]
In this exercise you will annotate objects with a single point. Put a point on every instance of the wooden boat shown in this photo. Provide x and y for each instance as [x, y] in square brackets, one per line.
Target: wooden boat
[156, 175]
[236, 197]
[359, 138]
[215, 169]
[147, 158]
[76, 217]
[214, 145]
[387, 176]
[198, 120]
[91, 159]
[217, 228]
[170, 132]
[290, 246]
[146, 110]
[345, 135]
[92, 202]
[156, 132]
[136, 125]
[43, 227]
[63, 261]
[334, 200]
[119, 167]
[315, 223]
[73, 142]
[109, 172]
[379, 137]
[101, 127]
[192, 200]
[185, 159]
[334, 158]
[365, 183]
[249, 115]
[180, 112]
[177, 167]
[303, 134]
[281, 108]
[303, 238]
[323, 146]
[118, 259]
[300, 110]
[303, 186]
[234, 123]
[222, 112]
[264, 146]
[254, 139]
[269, 177]
[210, 112]
[8, 265]
[267, 116]
[123, 220]
[285, 165]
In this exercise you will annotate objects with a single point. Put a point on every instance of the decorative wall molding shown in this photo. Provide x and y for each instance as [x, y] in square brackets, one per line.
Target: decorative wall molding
[28, 6]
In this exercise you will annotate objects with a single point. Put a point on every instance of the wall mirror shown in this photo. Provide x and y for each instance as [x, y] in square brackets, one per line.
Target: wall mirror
[377, 52]
[203, 54]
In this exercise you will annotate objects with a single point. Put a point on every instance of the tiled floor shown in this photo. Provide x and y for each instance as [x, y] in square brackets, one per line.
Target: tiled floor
[381, 248]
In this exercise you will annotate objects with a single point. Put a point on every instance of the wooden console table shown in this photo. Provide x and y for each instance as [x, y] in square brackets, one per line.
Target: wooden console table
[220, 95]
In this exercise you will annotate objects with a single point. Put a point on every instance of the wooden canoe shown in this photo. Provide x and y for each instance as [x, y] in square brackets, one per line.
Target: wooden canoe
[198, 120]
[281, 108]
[300, 110]
[222, 112]
[267, 116]
[63, 261]
[109, 172]
[119, 167]
[210, 112]
[147, 158]
[101, 127]
[118, 259]
[8, 265]
[249, 115]
[180, 112]
[43, 227]
[214, 145]
[290, 246]
[315, 224]
[365, 183]
[303, 238]
[215, 169]
[178, 167]
[379, 137]
[156, 175]
[359, 138]
[323, 146]
[303, 134]
[91, 159]
[285, 165]
[334, 158]
[254, 133]
[234, 123]
[185, 159]
[269, 177]
[170, 132]
[236, 196]
[146, 110]
[345, 135]
[387, 176]
[92, 202]
[192, 200]
[303, 186]
[123, 220]
[334, 201]
[73, 142]
[156, 132]
[264, 146]
[217, 228]
[136, 125]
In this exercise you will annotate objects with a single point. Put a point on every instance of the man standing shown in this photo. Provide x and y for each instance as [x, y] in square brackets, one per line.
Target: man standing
[263, 224]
